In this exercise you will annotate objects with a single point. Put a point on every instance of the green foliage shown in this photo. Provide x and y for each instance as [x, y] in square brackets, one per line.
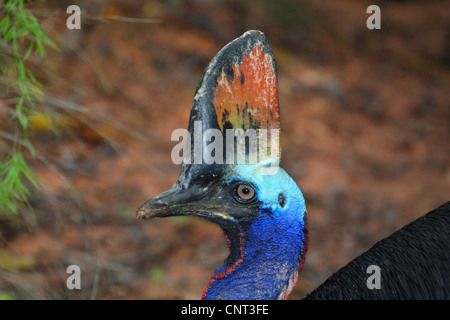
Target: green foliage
[13, 190]
[6, 296]
[22, 37]
[157, 274]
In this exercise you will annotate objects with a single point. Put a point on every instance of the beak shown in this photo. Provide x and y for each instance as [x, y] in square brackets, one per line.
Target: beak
[179, 201]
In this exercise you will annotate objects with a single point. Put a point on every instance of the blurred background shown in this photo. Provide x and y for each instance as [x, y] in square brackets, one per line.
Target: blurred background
[365, 134]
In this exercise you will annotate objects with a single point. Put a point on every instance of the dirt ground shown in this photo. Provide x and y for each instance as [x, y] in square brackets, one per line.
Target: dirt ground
[365, 134]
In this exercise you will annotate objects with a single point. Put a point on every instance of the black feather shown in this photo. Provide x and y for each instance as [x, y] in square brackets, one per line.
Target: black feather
[414, 264]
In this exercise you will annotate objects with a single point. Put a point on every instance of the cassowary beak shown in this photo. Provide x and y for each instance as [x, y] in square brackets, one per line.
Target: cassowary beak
[164, 204]
[179, 201]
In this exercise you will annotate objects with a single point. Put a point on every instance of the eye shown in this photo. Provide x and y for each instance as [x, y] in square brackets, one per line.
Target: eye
[244, 192]
[282, 200]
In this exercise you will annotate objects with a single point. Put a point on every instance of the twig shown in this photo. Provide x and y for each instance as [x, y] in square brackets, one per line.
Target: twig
[133, 20]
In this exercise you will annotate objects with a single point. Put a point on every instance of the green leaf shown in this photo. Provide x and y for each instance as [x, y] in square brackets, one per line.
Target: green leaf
[23, 36]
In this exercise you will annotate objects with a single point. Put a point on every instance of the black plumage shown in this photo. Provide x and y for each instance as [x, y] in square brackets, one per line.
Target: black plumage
[414, 264]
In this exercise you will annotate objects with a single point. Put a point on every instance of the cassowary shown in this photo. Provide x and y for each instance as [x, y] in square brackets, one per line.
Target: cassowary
[230, 176]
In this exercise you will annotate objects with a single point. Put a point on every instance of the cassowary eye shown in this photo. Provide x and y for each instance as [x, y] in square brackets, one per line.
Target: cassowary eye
[244, 192]
[282, 200]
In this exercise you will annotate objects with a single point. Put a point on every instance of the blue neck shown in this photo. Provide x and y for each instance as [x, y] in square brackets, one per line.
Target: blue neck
[271, 253]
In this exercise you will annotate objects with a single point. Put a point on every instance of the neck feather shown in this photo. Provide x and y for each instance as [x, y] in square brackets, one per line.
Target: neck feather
[265, 259]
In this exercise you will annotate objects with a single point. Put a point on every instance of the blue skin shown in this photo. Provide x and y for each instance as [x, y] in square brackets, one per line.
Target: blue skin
[275, 243]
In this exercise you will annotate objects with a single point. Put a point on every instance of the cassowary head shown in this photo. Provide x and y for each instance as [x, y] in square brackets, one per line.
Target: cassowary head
[231, 176]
